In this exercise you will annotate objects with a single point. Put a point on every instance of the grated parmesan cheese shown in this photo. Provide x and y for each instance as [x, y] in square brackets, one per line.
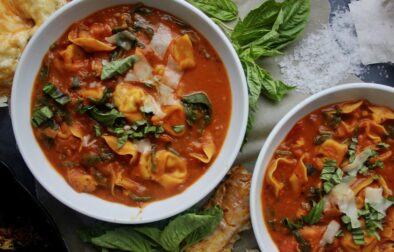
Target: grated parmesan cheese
[325, 57]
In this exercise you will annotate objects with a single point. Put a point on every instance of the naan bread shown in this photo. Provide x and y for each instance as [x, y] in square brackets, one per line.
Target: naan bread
[18, 21]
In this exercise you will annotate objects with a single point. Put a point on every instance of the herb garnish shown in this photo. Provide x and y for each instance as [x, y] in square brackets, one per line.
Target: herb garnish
[331, 175]
[117, 67]
[198, 109]
[41, 115]
[56, 94]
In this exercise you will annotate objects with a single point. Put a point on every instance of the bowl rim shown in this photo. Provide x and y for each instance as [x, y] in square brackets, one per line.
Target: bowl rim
[260, 229]
[211, 182]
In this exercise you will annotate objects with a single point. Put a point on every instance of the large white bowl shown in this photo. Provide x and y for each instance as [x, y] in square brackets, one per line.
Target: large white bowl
[377, 94]
[90, 205]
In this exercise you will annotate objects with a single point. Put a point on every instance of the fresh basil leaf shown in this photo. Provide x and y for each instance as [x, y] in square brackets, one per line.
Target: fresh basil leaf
[124, 239]
[217, 215]
[106, 95]
[153, 233]
[303, 245]
[124, 39]
[105, 118]
[190, 228]
[292, 225]
[118, 67]
[198, 107]
[56, 94]
[260, 81]
[321, 138]
[315, 214]
[41, 116]
[97, 130]
[224, 10]
[273, 25]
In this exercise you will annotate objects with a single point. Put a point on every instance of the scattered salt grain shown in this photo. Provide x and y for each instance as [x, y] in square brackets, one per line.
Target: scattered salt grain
[325, 57]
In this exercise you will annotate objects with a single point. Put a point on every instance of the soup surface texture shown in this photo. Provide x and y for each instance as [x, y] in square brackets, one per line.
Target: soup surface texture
[329, 184]
[131, 104]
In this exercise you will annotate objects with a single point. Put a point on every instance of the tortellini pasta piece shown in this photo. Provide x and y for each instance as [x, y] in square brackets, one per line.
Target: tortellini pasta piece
[128, 99]
[349, 107]
[88, 43]
[173, 116]
[95, 93]
[118, 179]
[182, 51]
[271, 180]
[171, 170]
[373, 130]
[381, 114]
[299, 175]
[333, 150]
[72, 56]
[208, 147]
[127, 149]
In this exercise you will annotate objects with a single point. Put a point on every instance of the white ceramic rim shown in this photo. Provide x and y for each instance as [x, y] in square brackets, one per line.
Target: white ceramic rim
[157, 210]
[259, 227]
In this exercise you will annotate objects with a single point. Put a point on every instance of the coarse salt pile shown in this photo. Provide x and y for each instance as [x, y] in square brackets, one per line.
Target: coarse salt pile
[324, 58]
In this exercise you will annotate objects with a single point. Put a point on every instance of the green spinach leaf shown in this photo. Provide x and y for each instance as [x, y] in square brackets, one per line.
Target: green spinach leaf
[105, 118]
[56, 94]
[118, 67]
[198, 107]
[315, 214]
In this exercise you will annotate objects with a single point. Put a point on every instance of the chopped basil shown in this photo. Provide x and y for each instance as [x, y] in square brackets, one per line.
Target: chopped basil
[198, 108]
[311, 170]
[124, 39]
[333, 118]
[358, 236]
[118, 67]
[315, 214]
[292, 225]
[122, 141]
[383, 145]
[178, 128]
[56, 94]
[390, 129]
[175, 20]
[94, 159]
[331, 175]
[320, 139]
[172, 150]
[284, 153]
[141, 199]
[75, 82]
[106, 95]
[105, 118]
[97, 130]
[143, 26]
[352, 149]
[141, 9]
[41, 116]
[44, 73]
[304, 245]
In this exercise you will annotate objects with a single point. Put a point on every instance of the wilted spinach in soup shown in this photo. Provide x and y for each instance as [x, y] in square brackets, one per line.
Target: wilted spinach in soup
[329, 184]
[131, 104]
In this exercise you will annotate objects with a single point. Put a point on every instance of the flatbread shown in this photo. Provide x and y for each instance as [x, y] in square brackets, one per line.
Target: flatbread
[18, 21]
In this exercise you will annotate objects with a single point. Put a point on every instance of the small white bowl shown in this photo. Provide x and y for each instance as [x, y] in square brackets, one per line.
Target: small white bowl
[376, 94]
[90, 205]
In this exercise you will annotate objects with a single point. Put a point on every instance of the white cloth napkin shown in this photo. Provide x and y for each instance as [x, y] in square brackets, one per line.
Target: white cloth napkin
[374, 22]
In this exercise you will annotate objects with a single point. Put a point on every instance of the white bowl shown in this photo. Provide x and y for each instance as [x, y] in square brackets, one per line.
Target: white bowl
[376, 94]
[90, 205]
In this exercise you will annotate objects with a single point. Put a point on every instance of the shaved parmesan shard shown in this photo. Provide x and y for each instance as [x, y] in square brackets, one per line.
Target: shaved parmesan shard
[172, 74]
[142, 68]
[166, 95]
[329, 234]
[358, 162]
[151, 106]
[130, 76]
[345, 199]
[143, 146]
[161, 40]
[374, 196]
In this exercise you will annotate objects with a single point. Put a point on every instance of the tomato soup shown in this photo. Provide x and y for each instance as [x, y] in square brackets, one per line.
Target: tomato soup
[131, 104]
[329, 184]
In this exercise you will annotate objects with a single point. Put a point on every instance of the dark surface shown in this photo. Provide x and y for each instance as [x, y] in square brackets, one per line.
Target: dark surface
[25, 218]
